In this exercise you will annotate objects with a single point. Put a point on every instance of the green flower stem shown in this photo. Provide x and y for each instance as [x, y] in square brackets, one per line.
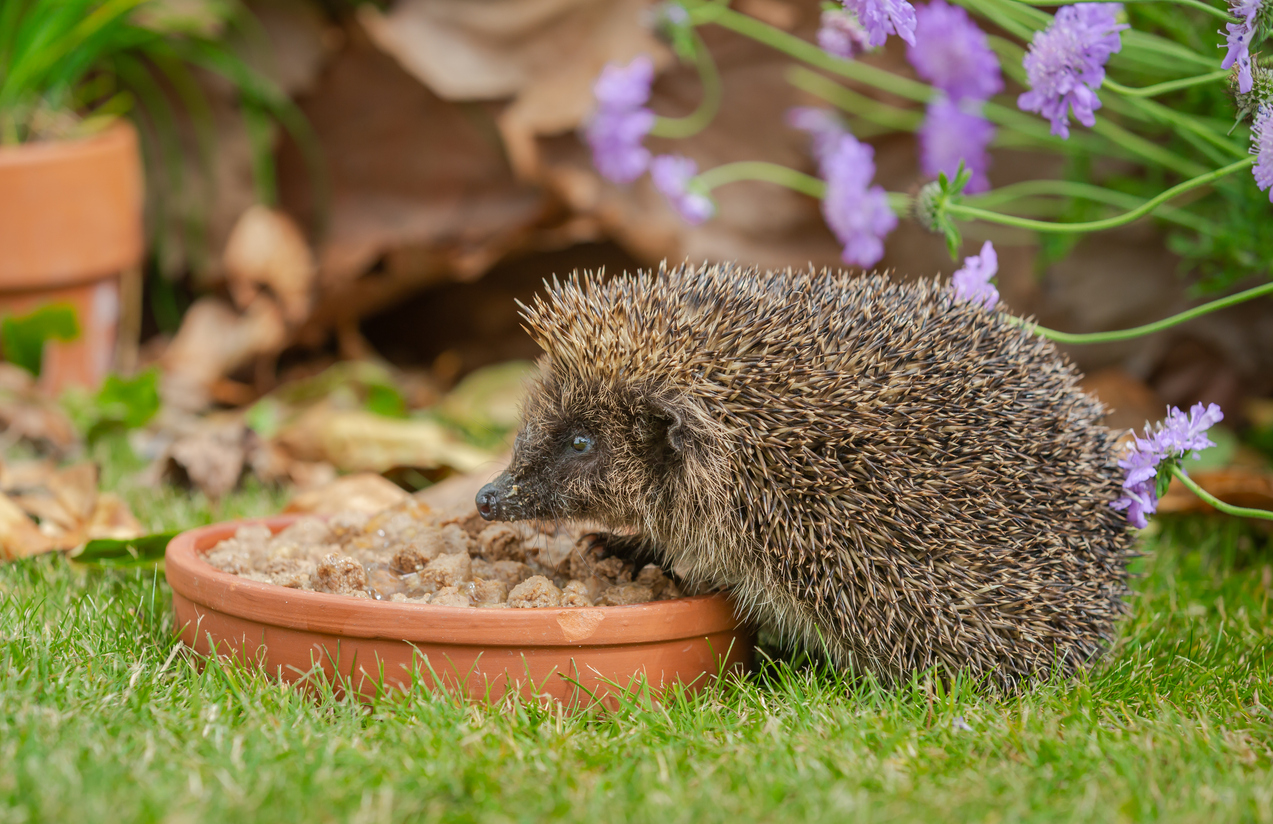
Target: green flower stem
[1149, 328]
[1088, 191]
[1164, 88]
[809, 53]
[1193, 4]
[1228, 509]
[763, 171]
[697, 120]
[966, 212]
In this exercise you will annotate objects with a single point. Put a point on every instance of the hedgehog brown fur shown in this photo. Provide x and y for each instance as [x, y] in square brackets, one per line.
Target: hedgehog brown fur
[873, 469]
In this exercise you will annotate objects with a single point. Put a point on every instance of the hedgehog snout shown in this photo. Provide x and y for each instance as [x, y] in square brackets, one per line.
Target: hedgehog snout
[494, 501]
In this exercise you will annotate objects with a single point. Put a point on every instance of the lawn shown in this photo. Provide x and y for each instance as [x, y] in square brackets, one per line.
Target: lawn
[105, 719]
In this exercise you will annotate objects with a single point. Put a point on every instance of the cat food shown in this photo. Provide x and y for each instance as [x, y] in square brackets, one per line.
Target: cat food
[406, 553]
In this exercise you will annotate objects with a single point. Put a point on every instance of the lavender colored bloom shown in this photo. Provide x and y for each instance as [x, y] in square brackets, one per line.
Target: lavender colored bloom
[1066, 64]
[1181, 433]
[1238, 39]
[1262, 146]
[1140, 495]
[672, 176]
[841, 34]
[824, 127]
[972, 282]
[621, 121]
[954, 132]
[881, 18]
[1169, 441]
[857, 212]
[953, 54]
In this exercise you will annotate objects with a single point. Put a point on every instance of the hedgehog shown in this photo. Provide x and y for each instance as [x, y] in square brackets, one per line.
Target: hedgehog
[893, 479]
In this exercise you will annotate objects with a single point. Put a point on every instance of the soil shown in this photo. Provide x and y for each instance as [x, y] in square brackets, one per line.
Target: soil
[408, 553]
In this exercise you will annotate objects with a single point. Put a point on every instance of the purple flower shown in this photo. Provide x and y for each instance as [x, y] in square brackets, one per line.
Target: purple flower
[1181, 433]
[972, 282]
[1169, 441]
[857, 212]
[1262, 145]
[1239, 38]
[823, 126]
[621, 121]
[881, 18]
[674, 175]
[954, 132]
[953, 54]
[841, 34]
[1066, 64]
[1140, 494]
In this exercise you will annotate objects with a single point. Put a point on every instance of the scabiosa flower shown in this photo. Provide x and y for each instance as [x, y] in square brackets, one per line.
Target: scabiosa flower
[674, 177]
[823, 126]
[840, 34]
[621, 121]
[1066, 64]
[1238, 39]
[955, 132]
[972, 282]
[953, 54]
[1262, 145]
[857, 212]
[881, 18]
[1168, 442]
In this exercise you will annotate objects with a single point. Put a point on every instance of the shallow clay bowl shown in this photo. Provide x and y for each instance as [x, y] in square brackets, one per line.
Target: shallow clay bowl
[575, 655]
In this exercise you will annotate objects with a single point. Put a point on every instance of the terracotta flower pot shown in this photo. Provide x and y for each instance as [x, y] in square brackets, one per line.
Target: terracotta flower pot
[572, 655]
[70, 224]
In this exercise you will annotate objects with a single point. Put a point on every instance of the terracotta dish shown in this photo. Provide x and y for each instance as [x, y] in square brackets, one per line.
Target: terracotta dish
[575, 656]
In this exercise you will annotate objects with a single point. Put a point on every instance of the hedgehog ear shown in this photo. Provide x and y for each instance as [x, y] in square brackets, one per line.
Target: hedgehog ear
[670, 424]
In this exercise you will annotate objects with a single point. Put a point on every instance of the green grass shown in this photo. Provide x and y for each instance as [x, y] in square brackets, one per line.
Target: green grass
[102, 718]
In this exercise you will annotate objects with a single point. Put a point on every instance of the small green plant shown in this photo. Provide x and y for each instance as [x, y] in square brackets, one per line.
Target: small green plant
[22, 337]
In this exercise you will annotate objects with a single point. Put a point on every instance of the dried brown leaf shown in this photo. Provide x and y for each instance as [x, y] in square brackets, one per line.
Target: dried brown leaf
[267, 249]
[113, 519]
[211, 457]
[357, 441]
[75, 489]
[19, 536]
[363, 492]
[213, 341]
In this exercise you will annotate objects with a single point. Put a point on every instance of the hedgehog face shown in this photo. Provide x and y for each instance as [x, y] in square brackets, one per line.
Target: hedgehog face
[586, 450]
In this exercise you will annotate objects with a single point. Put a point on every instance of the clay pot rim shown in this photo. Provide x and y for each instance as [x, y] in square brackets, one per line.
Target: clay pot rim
[34, 152]
[191, 576]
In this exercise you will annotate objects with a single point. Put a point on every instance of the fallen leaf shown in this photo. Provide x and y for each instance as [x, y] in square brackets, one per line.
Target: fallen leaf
[544, 54]
[490, 397]
[213, 341]
[75, 489]
[19, 536]
[111, 518]
[456, 495]
[357, 441]
[27, 415]
[363, 492]
[211, 457]
[1131, 402]
[267, 249]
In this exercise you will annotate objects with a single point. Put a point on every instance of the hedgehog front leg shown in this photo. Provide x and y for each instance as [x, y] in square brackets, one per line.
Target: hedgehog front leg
[638, 549]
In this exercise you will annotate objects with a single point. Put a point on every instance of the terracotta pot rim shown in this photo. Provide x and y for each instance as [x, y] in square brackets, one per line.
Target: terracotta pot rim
[53, 151]
[192, 577]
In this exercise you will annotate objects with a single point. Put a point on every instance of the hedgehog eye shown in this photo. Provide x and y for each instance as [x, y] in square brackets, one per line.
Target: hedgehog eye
[581, 444]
